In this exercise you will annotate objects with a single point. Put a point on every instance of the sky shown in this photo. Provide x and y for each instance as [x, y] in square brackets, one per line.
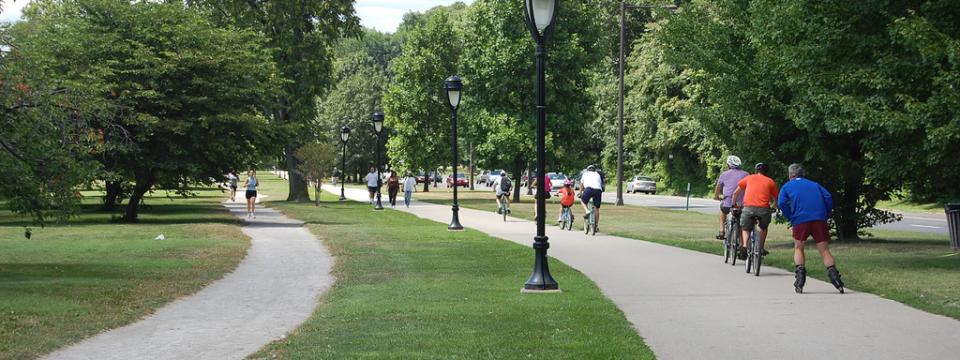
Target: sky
[382, 15]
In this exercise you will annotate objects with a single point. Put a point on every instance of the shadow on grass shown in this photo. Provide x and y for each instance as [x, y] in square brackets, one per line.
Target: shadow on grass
[172, 214]
[11, 273]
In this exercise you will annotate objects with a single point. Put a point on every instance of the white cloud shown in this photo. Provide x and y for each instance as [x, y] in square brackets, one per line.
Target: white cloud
[12, 10]
[383, 15]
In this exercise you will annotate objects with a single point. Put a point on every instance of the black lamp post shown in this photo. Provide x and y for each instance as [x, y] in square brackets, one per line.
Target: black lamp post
[378, 127]
[540, 16]
[344, 136]
[454, 88]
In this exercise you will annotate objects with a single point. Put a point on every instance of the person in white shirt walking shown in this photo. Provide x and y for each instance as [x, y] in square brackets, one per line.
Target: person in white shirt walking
[373, 183]
[409, 186]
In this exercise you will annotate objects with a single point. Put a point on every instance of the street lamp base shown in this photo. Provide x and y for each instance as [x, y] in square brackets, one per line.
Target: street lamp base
[537, 291]
[619, 202]
[343, 199]
[455, 223]
[379, 206]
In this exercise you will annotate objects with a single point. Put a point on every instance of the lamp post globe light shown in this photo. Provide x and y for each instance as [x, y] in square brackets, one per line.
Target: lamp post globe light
[540, 18]
[378, 127]
[454, 88]
[344, 136]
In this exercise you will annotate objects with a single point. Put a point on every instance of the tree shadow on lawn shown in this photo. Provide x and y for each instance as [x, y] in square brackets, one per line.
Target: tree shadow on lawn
[161, 214]
[30, 273]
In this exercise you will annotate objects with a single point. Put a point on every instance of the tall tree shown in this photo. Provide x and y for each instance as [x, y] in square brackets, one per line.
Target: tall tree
[191, 110]
[414, 109]
[301, 34]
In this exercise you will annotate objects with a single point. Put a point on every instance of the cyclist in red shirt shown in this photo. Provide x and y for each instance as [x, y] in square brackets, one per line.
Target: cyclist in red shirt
[567, 197]
[760, 192]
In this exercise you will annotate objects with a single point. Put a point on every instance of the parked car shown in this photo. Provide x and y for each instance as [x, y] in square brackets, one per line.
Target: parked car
[421, 177]
[493, 177]
[643, 184]
[556, 181]
[484, 176]
[461, 180]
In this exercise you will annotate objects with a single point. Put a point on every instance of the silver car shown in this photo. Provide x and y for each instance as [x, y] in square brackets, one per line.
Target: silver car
[643, 184]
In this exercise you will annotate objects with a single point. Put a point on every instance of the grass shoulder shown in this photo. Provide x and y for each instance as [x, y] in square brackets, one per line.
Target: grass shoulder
[75, 279]
[408, 289]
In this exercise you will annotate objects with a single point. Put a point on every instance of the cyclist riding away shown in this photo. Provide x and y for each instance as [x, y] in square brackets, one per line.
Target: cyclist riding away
[759, 192]
[502, 186]
[726, 185]
[567, 196]
[807, 205]
[592, 185]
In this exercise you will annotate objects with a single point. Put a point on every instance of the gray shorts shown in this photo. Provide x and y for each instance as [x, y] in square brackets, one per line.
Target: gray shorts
[749, 212]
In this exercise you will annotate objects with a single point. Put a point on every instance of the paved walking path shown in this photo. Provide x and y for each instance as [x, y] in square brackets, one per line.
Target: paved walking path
[689, 305]
[272, 291]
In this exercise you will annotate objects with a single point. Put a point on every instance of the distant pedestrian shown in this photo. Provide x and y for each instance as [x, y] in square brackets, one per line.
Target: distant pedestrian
[252, 185]
[807, 205]
[547, 187]
[409, 186]
[373, 183]
[393, 186]
[232, 180]
[335, 175]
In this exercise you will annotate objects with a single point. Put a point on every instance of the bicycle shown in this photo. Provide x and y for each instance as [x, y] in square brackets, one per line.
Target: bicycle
[566, 218]
[503, 206]
[754, 254]
[590, 224]
[731, 242]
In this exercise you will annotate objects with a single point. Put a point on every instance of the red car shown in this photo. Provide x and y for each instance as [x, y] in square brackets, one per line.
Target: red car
[461, 180]
[421, 178]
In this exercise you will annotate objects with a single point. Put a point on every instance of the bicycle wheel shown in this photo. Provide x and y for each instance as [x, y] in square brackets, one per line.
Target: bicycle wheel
[727, 240]
[758, 257]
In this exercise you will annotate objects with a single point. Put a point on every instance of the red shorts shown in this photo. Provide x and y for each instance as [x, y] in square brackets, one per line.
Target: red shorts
[817, 229]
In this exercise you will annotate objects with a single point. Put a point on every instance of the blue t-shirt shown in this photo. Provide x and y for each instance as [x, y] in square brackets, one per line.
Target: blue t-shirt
[252, 184]
[802, 200]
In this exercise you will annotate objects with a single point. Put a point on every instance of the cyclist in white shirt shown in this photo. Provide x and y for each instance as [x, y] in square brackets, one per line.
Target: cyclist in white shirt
[592, 190]
[502, 187]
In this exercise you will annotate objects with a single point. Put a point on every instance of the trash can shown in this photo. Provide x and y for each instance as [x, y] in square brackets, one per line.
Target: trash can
[953, 222]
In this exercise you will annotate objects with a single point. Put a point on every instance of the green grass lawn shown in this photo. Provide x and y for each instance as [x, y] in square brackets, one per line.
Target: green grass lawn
[74, 280]
[407, 289]
[917, 269]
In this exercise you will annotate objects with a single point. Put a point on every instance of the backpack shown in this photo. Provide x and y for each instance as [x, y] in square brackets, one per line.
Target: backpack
[505, 186]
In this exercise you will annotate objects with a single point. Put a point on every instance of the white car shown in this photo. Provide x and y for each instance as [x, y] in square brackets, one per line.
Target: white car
[643, 184]
[493, 177]
[556, 181]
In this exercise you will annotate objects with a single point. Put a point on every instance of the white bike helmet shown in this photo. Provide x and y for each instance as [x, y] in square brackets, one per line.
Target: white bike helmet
[733, 161]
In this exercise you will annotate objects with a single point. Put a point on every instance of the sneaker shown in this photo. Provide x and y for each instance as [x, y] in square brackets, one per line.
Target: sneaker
[508, 210]
[499, 211]
[721, 236]
[764, 252]
[742, 254]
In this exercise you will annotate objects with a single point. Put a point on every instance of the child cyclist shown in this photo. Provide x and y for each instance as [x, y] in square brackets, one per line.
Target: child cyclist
[567, 198]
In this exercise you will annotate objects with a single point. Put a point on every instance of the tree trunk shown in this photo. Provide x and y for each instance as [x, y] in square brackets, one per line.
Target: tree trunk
[113, 189]
[518, 163]
[144, 181]
[473, 167]
[847, 196]
[297, 184]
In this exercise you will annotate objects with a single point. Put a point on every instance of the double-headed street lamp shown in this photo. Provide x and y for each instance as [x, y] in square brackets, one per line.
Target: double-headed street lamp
[623, 40]
[344, 136]
[378, 127]
[454, 88]
[540, 16]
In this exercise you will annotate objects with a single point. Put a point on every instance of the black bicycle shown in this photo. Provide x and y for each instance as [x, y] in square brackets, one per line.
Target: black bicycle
[754, 253]
[731, 242]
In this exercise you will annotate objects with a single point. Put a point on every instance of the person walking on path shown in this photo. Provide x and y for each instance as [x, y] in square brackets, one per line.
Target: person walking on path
[726, 185]
[807, 205]
[373, 183]
[393, 186]
[759, 191]
[547, 187]
[252, 185]
[232, 180]
[409, 186]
